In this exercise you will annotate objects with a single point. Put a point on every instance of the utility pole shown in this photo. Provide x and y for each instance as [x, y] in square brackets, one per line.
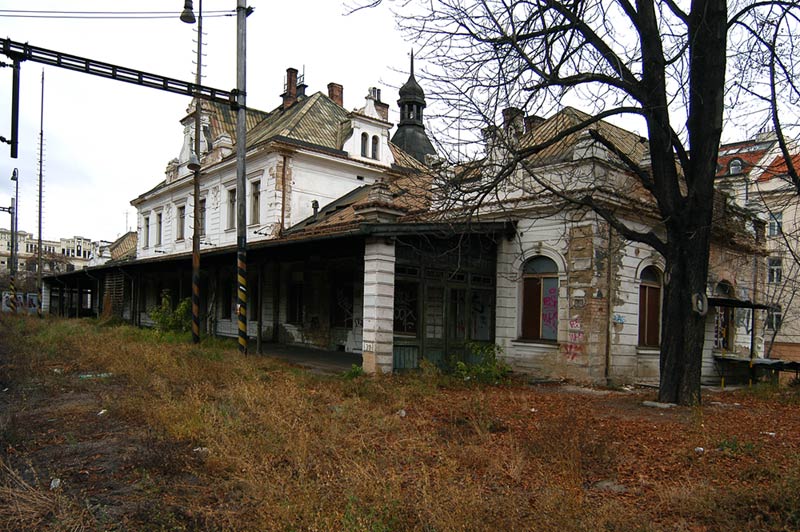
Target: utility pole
[241, 150]
[39, 289]
[188, 17]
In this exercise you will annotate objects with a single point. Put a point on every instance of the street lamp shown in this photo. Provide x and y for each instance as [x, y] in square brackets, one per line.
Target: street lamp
[14, 230]
[188, 17]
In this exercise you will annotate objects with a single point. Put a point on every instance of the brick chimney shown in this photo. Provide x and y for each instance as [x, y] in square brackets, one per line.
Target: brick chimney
[336, 93]
[380, 107]
[513, 121]
[290, 89]
[532, 122]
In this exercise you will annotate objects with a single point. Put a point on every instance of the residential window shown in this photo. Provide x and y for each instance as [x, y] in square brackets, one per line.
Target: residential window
[774, 318]
[201, 223]
[158, 229]
[232, 208]
[775, 224]
[375, 147]
[774, 270]
[650, 307]
[364, 144]
[181, 222]
[294, 302]
[255, 202]
[735, 167]
[724, 324]
[540, 299]
[146, 232]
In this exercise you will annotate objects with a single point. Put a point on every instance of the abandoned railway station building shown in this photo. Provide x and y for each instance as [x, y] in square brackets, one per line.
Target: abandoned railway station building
[360, 241]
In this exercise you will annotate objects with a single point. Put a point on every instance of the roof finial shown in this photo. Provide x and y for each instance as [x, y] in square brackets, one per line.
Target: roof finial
[412, 62]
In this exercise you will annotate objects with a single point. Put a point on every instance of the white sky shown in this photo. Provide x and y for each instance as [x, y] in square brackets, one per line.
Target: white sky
[106, 141]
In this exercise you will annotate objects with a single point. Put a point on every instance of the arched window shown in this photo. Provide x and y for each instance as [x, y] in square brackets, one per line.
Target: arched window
[650, 307]
[540, 299]
[364, 144]
[735, 166]
[724, 325]
[374, 146]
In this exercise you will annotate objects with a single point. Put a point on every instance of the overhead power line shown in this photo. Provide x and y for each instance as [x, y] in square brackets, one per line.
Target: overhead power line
[89, 15]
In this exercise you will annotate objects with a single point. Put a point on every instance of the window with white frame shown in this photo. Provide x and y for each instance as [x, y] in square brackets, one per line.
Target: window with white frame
[158, 229]
[145, 232]
[774, 318]
[774, 270]
[775, 224]
[540, 299]
[181, 221]
[232, 208]
[375, 143]
[255, 202]
[650, 307]
[364, 144]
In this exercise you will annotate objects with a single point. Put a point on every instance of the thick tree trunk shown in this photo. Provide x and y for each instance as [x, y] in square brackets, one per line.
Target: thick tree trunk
[683, 329]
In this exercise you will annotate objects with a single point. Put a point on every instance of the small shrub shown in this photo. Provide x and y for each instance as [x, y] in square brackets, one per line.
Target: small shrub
[734, 446]
[354, 372]
[487, 370]
[168, 320]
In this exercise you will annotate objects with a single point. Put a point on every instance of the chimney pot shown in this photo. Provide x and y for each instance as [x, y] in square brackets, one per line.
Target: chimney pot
[336, 93]
[290, 90]
[532, 122]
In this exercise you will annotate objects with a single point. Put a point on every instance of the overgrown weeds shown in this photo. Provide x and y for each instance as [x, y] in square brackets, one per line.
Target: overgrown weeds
[268, 447]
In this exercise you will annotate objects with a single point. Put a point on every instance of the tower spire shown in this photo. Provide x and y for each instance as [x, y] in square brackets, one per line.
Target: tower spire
[412, 62]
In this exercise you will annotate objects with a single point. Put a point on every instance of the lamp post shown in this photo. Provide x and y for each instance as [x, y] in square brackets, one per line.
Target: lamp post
[14, 230]
[242, 11]
[188, 17]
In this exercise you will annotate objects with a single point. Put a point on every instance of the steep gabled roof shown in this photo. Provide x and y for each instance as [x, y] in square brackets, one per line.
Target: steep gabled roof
[750, 152]
[222, 119]
[316, 120]
[779, 168]
[561, 150]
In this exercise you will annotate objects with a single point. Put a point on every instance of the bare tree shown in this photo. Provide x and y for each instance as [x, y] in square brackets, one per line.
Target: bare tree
[672, 68]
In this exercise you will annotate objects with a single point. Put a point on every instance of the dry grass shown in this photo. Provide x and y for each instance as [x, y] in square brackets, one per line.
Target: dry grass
[25, 507]
[246, 443]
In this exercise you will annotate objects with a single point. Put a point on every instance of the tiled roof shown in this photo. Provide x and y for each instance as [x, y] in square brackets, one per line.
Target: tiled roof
[315, 120]
[750, 152]
[778, 167]
[223, 119]
[626, 141]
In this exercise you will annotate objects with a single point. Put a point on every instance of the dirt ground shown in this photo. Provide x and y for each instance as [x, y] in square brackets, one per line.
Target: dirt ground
[73, 460]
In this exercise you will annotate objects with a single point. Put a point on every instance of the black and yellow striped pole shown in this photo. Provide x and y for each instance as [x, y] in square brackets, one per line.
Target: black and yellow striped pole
[13, 299]
[241, 150]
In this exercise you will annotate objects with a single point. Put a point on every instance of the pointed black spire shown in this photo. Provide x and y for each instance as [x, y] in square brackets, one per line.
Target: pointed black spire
[410, 135]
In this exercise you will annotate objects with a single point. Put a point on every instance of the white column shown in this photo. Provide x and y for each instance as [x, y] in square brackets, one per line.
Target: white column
[379, 261]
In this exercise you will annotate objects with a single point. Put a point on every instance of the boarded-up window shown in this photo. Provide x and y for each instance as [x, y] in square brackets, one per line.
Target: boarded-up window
[650, 307]
[406, 308]
[540, 300]
[342, 300]
[294, 303]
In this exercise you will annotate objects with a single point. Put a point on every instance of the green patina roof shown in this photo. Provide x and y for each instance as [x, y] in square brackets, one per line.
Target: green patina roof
[314, 120]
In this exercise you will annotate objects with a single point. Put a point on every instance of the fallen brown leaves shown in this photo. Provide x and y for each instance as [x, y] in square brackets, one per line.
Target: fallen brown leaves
[204, 439]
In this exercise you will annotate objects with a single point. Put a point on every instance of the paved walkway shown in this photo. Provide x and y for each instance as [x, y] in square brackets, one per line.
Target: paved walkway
[317, 360]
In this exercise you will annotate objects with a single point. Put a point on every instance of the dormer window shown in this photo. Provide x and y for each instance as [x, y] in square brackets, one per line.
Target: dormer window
[364, 144]
[375, 147]
[735, 167]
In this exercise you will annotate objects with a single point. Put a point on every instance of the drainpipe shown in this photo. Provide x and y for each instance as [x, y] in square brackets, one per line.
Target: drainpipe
[609, 321]
[283, 193]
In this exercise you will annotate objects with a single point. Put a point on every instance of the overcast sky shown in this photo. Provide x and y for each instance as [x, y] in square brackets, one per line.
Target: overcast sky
[106, 142]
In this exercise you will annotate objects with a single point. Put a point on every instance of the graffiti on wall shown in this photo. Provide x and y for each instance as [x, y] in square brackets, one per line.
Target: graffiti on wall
[575, 338]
